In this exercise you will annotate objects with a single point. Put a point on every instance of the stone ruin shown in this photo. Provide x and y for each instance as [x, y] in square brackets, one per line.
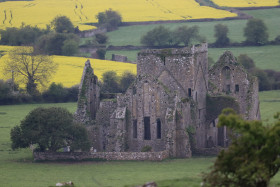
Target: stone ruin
[119, 58]
[172, 106]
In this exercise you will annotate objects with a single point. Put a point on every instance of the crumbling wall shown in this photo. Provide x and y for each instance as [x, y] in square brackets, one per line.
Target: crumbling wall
[119, 58]
[78, 156]
[228, 77]
[89, 94]
[165, 78]
[218, 136]
[106, 131]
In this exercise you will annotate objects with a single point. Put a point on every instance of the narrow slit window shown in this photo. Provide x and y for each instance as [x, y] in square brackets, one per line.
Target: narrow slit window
[236, 88]
[135, 128]
[158, 129]
[228, 88]
[190, 92]
[147, 128]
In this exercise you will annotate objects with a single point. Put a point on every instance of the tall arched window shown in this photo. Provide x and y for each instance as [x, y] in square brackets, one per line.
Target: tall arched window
[226, 72]
[147, 128]
[135, 128]
[226, 79]
[158, 129]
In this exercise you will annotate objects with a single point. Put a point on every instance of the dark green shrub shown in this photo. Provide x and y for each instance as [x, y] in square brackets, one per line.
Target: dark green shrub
[146, 149]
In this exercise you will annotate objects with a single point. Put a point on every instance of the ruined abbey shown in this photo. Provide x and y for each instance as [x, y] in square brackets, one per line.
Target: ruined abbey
[172, 106]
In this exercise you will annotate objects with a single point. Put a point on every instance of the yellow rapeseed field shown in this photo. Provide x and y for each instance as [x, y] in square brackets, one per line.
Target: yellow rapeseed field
[246, 3]
[70, 69]
[41, 12]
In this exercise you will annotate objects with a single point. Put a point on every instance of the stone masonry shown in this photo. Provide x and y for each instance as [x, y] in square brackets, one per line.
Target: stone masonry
[172, 106]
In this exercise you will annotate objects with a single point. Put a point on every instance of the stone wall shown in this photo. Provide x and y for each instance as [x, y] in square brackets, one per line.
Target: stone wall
[90, 33]
[119, 58]
[106, 132]
[89, 96]
[78, 156]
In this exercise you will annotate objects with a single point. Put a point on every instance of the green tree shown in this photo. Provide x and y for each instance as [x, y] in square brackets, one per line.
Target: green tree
[62, 24]
[29, 68]
[101, 38]
[277, 40]
[221, 32]
[256, 32]
[70, 47]
[50, 129]
[5, 90]
[247, 62]
[57, 44]
[25, 35]
[187, 35]
[109, 19]
[110, 82]
[126, 79]
[159, 36]
[264, 82]
[55, 93]
[101, 52]
[252, 159]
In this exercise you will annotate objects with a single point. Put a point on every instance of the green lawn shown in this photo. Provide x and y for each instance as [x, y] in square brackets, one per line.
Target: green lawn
[131, 55]
[131, 35]
[265, 57]
[269, 104]
[17, 168]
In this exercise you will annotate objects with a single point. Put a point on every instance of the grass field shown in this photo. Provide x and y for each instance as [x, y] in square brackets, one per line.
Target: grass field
[41, 12]
[265, 57]
[131, 35]
[17, 168]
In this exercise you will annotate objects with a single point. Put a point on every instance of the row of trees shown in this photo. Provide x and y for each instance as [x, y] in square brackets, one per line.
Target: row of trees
[57, 39]
[268, 79]
[112, 83]
[11, 94]
[162, 36]
[255, 33]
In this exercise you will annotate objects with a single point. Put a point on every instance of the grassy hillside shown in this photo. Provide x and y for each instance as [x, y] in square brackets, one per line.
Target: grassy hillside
[178, 172]
[265, 57]
[131, 35]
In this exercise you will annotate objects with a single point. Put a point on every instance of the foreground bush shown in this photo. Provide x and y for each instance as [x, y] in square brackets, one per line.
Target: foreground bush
[252, 159]
[49, 129]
